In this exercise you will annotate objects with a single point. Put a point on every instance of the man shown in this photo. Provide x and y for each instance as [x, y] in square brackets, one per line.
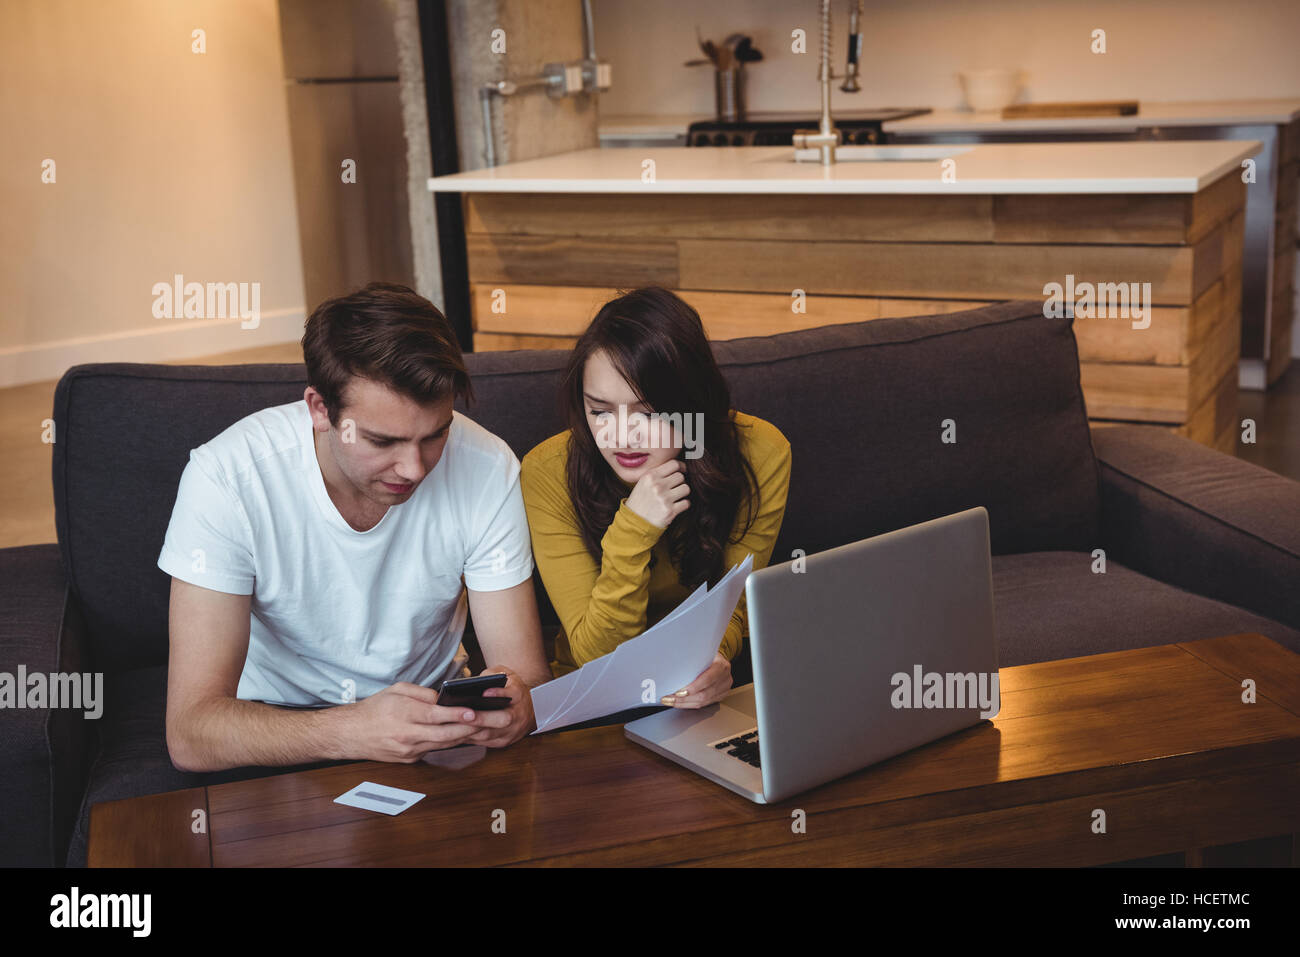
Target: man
[322, 553]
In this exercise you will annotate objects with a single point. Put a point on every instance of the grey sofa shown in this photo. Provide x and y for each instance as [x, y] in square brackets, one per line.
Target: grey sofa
[1197, 543]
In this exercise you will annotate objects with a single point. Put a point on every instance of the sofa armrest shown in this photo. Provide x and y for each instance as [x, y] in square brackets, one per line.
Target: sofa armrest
[1204, 521]
[43, 751]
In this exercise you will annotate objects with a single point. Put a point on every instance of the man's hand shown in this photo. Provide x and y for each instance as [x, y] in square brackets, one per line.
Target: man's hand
[713, 682]
[501, 728]
[403, 722]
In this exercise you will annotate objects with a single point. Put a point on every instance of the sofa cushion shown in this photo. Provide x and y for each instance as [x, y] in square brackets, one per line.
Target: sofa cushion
[1207, 522]
[29, 638]
[133, 758]
[863, 405]
[1050, 605]
[123, 436]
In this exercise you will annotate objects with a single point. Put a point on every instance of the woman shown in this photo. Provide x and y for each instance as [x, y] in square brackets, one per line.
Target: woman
[656, 486]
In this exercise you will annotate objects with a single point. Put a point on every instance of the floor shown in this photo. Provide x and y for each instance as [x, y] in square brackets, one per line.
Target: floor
[1277, 424]
[27, 499]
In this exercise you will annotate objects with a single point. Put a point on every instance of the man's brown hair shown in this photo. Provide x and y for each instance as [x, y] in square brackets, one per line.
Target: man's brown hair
[390, 334]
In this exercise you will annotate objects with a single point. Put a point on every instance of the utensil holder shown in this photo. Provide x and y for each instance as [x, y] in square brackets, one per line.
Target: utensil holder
[729, 93]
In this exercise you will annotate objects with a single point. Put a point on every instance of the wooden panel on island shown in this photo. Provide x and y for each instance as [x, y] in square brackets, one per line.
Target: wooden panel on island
[1281, 322]
[1284, 255]
[541, 265]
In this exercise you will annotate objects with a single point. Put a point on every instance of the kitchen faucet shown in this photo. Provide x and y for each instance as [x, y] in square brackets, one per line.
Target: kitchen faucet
[850, 84]
[826, 137]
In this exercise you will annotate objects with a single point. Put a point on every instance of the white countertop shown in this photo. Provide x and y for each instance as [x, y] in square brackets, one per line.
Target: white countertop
[1199, 113]
[998, 168]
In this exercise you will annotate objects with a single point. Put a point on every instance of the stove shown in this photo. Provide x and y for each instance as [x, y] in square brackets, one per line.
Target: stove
[777, 128]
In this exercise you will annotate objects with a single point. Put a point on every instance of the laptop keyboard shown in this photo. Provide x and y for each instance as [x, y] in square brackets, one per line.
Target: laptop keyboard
[743, 746]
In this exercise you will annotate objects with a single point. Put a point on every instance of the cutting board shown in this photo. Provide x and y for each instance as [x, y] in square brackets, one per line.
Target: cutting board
[1027, 111]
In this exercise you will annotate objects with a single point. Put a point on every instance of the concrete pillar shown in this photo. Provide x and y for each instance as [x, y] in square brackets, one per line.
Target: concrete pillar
[530, 123]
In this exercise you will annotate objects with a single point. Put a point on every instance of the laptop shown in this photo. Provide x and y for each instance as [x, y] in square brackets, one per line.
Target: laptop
[860, 653]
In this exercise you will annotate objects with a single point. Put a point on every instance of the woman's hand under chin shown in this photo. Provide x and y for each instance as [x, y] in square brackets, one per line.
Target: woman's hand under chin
[660, 495]
[711, 685]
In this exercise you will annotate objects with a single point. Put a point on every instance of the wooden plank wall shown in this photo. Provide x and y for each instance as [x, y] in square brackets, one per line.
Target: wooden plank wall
[540, 266]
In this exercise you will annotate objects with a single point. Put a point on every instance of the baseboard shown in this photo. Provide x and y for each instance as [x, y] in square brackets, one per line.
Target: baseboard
[48, 361]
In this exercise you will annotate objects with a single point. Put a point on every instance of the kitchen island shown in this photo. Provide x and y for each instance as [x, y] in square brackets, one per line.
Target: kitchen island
[758, 244]
[1268, 271]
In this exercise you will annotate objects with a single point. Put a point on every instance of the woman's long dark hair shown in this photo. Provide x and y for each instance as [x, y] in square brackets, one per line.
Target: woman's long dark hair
[657, 343]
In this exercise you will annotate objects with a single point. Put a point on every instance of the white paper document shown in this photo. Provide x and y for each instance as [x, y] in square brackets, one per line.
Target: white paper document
[660, 661]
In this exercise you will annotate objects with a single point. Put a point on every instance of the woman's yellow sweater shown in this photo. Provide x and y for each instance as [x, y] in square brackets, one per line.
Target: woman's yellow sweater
[603, 604]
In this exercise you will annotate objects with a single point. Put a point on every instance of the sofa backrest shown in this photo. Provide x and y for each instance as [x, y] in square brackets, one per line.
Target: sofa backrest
[868, 408]
[864, 405]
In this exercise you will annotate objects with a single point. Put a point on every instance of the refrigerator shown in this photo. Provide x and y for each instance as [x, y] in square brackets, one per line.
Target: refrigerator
[341, 79]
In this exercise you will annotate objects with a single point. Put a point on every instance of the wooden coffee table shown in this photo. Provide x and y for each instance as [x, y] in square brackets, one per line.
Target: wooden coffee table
[1157, 738]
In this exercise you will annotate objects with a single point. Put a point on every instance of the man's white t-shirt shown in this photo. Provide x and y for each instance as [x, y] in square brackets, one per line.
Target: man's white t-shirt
[339, 614]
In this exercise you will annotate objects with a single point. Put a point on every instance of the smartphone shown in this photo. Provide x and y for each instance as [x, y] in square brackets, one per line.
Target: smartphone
[468, 693]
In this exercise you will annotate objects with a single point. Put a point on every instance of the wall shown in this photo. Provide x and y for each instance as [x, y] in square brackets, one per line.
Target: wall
[167, 161]
[912, 49]
[529, 123]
